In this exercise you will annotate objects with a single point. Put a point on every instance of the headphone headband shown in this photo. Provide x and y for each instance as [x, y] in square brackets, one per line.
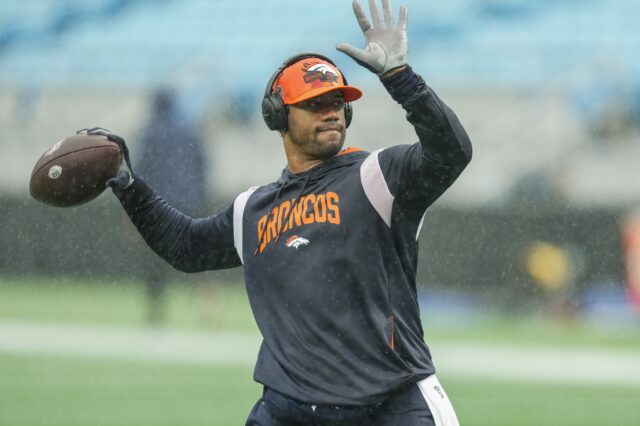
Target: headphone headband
[292, 60]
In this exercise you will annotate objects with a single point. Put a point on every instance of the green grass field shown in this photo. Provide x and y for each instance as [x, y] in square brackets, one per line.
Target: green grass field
[67, 392]
[37, 389]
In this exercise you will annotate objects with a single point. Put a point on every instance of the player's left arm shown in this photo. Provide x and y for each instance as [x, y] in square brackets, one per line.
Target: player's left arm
[419, 173]
[443, 150]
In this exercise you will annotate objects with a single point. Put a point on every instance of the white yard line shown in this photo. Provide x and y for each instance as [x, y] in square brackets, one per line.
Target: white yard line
[129, 343]
[583, 365]
[505, 362]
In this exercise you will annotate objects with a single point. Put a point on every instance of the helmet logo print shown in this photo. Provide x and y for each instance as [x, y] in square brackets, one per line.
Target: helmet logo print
[321, 72]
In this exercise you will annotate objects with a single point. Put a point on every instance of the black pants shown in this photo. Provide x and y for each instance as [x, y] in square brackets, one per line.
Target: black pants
[421, 404]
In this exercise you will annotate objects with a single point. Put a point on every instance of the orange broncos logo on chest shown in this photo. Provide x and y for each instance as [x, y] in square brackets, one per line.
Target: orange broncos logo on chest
[308, 209]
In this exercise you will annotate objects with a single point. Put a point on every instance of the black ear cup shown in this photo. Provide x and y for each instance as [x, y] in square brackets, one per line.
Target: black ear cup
[274, 111]
[348, 112]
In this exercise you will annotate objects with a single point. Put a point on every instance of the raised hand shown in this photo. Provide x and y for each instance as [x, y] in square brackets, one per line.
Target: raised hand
[386, 47]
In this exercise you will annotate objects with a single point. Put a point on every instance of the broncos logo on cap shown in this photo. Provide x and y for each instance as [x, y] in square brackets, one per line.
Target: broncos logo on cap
[321, 72]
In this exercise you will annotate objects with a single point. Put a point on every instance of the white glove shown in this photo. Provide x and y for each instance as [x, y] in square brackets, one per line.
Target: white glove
[386, 44]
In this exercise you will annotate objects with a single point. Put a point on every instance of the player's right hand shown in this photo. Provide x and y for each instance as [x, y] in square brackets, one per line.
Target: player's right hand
[124, 178]
[387, 43]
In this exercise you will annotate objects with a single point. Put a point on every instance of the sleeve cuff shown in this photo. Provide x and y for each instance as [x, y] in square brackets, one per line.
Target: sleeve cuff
[404, 86]
[134, 194]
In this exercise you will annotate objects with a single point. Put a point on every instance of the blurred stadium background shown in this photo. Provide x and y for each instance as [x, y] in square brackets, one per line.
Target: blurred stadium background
[530, 264]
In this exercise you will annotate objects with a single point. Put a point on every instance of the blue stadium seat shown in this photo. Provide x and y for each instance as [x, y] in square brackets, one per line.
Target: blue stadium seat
[517, 43]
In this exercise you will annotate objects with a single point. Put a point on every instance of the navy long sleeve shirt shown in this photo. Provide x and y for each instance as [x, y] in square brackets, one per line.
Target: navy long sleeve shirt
[329, 256]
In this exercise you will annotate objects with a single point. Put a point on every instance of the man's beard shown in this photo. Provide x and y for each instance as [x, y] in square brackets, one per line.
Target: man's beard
[321, 150]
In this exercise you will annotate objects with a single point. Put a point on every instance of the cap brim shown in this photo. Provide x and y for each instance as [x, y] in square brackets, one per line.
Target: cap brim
[350, 93]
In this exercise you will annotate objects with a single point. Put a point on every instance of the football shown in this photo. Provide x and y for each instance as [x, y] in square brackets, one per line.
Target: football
[74, 170]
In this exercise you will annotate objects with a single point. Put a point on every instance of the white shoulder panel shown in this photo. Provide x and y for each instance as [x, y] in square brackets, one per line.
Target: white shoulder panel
[238, 214]
[375, 187]
[420, 225]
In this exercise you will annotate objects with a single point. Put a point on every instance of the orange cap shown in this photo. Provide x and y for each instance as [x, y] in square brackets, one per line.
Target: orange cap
[311, 77]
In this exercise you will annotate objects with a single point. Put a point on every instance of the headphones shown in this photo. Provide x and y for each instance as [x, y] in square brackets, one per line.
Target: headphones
[274, 111]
